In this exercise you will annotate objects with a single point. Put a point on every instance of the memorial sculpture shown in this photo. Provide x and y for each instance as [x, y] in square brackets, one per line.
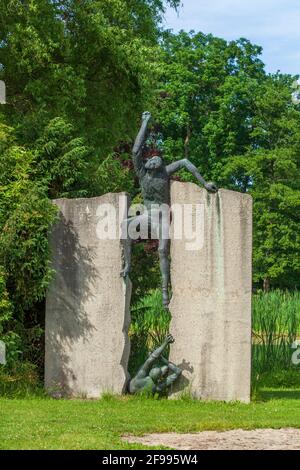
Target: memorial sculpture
[154, 178]
[88, 303]
[151, 379]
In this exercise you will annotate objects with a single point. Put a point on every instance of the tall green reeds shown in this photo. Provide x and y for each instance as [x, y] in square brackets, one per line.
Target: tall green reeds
[149, 326]
[275, 327]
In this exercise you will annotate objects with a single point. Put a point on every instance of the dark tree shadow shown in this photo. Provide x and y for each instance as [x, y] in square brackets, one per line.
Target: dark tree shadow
[182, 384]
[267, 395]
[66, 318]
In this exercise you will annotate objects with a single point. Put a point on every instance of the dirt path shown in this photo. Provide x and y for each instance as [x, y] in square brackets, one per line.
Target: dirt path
[238, 439]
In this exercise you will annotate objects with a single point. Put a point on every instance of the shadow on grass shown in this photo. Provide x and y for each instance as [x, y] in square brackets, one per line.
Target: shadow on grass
[280, 394]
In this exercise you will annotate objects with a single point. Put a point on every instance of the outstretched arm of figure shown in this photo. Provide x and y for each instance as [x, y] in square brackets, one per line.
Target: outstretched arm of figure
[139, 142]
[171, 366]
[176, 371]
[186, 164]
[144, 370]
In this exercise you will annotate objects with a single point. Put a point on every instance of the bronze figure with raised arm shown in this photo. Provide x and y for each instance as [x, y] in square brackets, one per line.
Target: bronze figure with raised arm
[155, 379]
[154, 179]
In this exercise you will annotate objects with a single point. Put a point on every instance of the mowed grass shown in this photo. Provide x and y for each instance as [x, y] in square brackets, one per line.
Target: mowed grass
[44, 423]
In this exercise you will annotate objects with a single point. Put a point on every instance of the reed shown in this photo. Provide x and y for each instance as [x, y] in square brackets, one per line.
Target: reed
[275, 327]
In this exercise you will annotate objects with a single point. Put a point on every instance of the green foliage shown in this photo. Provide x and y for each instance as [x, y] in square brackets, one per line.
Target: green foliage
[269, 170]
[276, 325]
[62, 160]
[90, 60]
[10, 338]
[78, 74]
[150, 319]
[122, 179]
[280, 379]
[206, 88]
[145, 274]
[26, 214]
[5, 304]
[24, 248]
[149, 326]
[239, 126]
[19, 381]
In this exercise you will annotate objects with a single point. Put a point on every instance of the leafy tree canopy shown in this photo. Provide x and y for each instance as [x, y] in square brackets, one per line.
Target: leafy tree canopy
[217, 105]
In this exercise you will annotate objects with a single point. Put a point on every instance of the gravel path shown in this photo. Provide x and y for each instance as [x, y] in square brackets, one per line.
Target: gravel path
[238, 439]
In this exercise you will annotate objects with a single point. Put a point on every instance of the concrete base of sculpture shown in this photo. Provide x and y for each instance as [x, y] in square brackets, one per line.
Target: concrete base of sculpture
[211, 303]
[87, 308]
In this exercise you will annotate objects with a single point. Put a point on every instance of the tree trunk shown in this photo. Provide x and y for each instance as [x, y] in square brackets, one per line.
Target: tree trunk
[266, 286]
[187, 141]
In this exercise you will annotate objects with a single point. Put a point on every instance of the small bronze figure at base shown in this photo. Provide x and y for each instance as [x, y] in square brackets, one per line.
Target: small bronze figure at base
[155, 379]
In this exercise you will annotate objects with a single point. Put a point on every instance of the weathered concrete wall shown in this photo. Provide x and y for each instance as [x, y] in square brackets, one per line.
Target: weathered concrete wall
[87, 308]
[211, 303]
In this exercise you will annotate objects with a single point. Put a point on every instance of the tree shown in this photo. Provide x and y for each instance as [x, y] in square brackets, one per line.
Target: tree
[269, 170]
[217, 105]
[26, 215]
[90, 62]
[77, 74]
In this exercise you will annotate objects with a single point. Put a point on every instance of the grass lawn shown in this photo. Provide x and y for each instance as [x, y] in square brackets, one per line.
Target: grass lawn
[44, 423]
